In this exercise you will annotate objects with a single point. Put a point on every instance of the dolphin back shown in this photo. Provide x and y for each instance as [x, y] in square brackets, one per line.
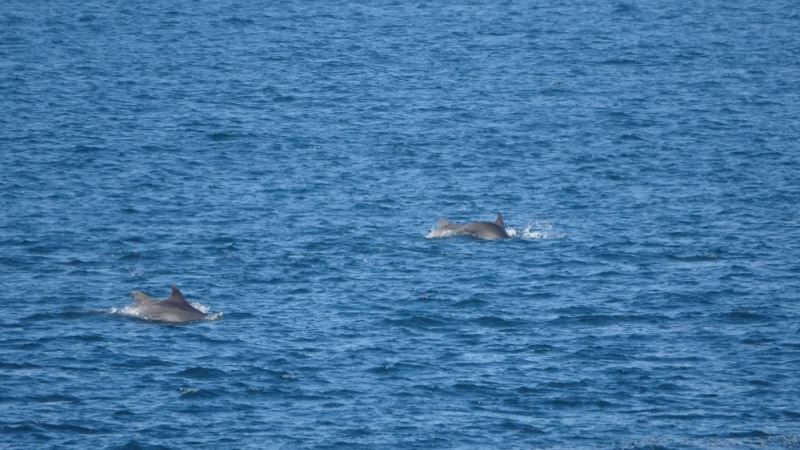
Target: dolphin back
[485, 230]
[174, 309]
[481, 230]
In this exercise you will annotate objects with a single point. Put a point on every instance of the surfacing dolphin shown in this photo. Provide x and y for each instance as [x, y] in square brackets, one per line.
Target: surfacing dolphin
[481, 230]
[174, 309]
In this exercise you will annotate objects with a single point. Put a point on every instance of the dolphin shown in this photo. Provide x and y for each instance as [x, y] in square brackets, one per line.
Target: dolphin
[481, 230]
[174, 309]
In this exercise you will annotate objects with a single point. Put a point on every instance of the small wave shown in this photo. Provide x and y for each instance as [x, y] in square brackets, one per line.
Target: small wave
[532, 349]
[494, 322]
[384, 368]
[470, 303]
[746, 440]
[699, 258]
[625, 8]
[192, 393]
[136, 445]
[60, 315]
[744, 316]
[139, 363]
[55, 398]
[18, 428]
[17, 366]
[239, 21]
[70, 428]
[222, 136]
[516, 425]
[610, 319]
[393, 368]
[420, 322]
[74, 337]
[469, 387]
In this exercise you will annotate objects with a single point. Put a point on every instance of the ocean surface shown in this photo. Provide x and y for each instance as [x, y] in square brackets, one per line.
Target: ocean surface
[283, 162]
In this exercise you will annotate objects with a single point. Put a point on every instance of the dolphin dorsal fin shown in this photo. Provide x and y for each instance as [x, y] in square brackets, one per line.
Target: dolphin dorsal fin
[177, 297]
[141, 298]
[499, 221]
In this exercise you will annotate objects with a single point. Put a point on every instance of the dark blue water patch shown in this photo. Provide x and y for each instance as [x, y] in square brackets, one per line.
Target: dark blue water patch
[578, 403]
[496, 322]
[419, 322]
[238, 21]
[745, 316]
[758, 339]
[25, 428]
[65, 315]
[225, 136]
[17, 365]
[668, 387]
[77, 338]
[610, 320]
[283, 99]
[699, 258]
[134, 444]
[68, 428]
[55, 398]
[142, 362]
[472, 303]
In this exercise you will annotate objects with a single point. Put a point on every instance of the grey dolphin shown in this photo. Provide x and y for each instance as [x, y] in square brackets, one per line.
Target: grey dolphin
[174, 309]
[481, 230]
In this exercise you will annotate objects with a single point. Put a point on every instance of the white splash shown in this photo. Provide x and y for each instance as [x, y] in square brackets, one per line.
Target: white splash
[537, 230]
[207, 311]
[129, 311]
[436, 233]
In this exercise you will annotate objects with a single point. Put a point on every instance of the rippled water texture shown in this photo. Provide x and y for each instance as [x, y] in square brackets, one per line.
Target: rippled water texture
[282, 163]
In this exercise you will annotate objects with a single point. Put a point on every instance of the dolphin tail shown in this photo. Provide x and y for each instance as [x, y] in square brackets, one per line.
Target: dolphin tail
[499, 221]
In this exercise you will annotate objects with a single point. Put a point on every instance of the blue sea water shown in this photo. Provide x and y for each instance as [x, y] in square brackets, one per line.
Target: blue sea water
[283, 162]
